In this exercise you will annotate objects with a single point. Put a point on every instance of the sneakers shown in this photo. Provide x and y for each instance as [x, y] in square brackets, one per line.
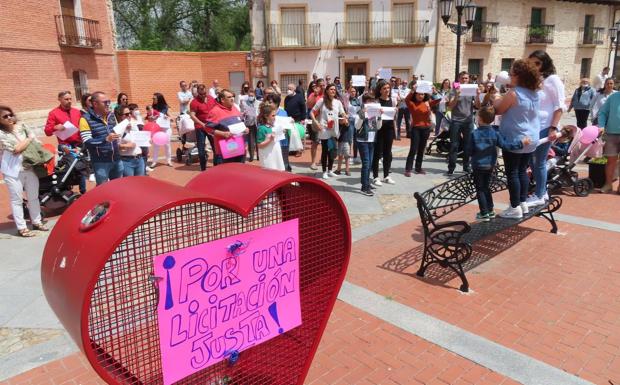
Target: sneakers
[606, 188]
[313, 167]
[491, 214]
[152, 165]
[377, 182]
[512, 213]
[169, 164]
[148, 169]
[546, 197]
[420, 171]
[337, 172]
[331, 173]
[450, 172]
[534, 200]
[368, 192]
[482, 217]
[325, 175]
[388, 180]
[408, 174]
[524, 208]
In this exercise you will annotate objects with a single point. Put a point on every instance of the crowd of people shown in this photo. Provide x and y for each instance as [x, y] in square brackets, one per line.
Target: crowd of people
[347, 122]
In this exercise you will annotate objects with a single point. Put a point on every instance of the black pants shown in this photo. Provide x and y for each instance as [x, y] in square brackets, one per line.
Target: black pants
[582, 118]
[327, 156]
[285, 151]
[403, 113]
[460, 134]
[516, 173]
[482, 181]
[383, 149]
[252, 145]
[419, 137]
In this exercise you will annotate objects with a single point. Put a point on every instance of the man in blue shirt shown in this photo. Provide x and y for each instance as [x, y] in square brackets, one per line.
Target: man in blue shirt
[609, 121]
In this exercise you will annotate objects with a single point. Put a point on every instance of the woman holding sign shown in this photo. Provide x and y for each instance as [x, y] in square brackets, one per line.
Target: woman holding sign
[330, 112]
[420, 108]
[385, 137]
[131, 155]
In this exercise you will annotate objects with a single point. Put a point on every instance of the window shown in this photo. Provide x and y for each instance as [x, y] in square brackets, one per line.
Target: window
[403, 15]
[286, 79]
[402, 73]
[293, 26]
[507, 64]
[478, 30]
[80, 84]
[538, 16]
[586, 63]
[474, 67]
[588, 30]
[357, 24]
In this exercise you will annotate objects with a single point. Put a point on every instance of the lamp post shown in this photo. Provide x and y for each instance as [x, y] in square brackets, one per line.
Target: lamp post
[614, 36]
[462, 7]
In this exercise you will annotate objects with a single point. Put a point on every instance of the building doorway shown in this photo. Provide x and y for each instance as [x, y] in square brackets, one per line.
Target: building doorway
[355, 68]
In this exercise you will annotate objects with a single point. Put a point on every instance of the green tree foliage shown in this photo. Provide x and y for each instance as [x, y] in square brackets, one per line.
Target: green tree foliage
[183, 25]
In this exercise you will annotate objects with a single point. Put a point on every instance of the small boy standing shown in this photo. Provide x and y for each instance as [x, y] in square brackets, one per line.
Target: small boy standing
[483, 154]
[344, 149]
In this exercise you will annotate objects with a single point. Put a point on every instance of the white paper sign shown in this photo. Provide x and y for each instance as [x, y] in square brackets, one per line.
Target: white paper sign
[69, 130]
[424, 87]
[140, 138]
[278, 132]
[469, 89]
[388, 113]
[120, 128]
[358, 80]
[237, 129]
[385, 73]
[373, 110]
[285, 122]
[163, 122]
[11, 164]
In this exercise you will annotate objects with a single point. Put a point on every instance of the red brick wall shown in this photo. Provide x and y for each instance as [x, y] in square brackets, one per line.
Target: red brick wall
[35, 67]
[141, 73]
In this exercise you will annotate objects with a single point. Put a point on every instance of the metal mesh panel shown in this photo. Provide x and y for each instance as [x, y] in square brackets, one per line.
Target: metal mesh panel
[122, 322]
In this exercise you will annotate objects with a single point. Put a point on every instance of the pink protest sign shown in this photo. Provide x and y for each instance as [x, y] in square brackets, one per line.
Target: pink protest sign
[222, 297]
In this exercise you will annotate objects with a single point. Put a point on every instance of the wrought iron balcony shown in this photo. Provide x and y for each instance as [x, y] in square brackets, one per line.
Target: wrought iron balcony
[591, 36]
[294, 35]
[540, 34]
[78, 32]
[483, 32]
[382, 33]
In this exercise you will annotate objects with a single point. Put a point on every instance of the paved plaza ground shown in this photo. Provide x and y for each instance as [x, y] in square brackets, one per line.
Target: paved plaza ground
[544, 308]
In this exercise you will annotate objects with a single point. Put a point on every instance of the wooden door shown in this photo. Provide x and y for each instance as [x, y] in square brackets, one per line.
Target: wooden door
[351, 69]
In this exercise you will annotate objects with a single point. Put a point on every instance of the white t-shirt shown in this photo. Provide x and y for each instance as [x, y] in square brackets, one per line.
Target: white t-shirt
[599, 81]
[184, 106]
[551, 99]
[327, 114]
[212, 92]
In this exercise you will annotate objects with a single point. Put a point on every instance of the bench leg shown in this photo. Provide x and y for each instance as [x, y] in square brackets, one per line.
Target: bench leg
[423, 265]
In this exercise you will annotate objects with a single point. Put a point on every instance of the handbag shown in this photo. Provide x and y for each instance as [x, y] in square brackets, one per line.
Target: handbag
[232, 147]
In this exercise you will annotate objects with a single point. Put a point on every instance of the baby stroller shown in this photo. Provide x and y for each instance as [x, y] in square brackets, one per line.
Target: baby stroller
[441, 141]
[188, 151]
[560, 172]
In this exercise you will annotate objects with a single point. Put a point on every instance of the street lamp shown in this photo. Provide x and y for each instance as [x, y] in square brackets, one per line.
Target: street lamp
[465, 7]
[614, 36]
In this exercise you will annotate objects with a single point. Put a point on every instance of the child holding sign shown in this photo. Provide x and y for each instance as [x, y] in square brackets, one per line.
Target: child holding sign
[269, 150]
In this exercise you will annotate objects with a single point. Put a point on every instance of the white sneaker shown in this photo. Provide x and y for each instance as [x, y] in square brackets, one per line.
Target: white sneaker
[388, 180]
[148, 169]
[524, 208]
[331, 173]
[512, 212]
[152, 165]
[534, 200]
[91, 178]
[325, 175]
[377, 182]
[546, 196]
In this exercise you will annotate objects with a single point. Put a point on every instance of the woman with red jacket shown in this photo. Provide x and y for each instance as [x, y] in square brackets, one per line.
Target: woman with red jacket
[420, 108]
[224, 114]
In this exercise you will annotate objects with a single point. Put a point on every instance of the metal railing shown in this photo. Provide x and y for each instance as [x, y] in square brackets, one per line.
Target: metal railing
[539, 34]
[483, 32]
[591, 35]
[78, 32]
[378, 33]
[294, 35]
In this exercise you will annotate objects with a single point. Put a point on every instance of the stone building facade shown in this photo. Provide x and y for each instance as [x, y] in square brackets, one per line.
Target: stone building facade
[574, 33]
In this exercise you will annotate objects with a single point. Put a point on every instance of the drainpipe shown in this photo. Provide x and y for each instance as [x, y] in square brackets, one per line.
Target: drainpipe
[266, 6]
[435, 54]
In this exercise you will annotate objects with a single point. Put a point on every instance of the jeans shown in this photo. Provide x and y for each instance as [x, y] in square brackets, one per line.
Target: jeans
[417, 146]
[327, 156]
[383, 148]
[516, 173]
[582, 118]
[105, 171]
[366, 152]
[539, 165]
[133, 166]
[482, 181]
[201, 138]
[219, 160]
[25, 181]
[403, 112]
[438, 118]
[460, 135]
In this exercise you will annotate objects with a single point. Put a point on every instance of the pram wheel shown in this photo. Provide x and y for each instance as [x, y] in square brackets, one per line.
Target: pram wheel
[179, 155]
[583, 187]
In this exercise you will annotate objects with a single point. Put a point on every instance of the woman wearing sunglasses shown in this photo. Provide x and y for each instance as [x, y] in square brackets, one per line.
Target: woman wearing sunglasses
[13, 141]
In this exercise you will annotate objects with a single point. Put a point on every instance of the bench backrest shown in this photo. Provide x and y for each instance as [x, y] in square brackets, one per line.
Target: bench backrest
[444, 198]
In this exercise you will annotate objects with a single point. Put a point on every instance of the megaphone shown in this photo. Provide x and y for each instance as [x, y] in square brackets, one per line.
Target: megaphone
[502, 78]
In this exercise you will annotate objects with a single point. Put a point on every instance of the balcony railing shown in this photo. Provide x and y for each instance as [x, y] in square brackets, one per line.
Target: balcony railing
[78, 32]
[591, 36]
[294, 35]
[483, 32]
[539, 34]
[380, 33]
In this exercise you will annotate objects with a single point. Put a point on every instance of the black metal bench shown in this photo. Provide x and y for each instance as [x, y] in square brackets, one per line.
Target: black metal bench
[449, 244]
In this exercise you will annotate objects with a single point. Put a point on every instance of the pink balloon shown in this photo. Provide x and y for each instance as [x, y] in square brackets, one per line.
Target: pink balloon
[588, 134]
[160, 138]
